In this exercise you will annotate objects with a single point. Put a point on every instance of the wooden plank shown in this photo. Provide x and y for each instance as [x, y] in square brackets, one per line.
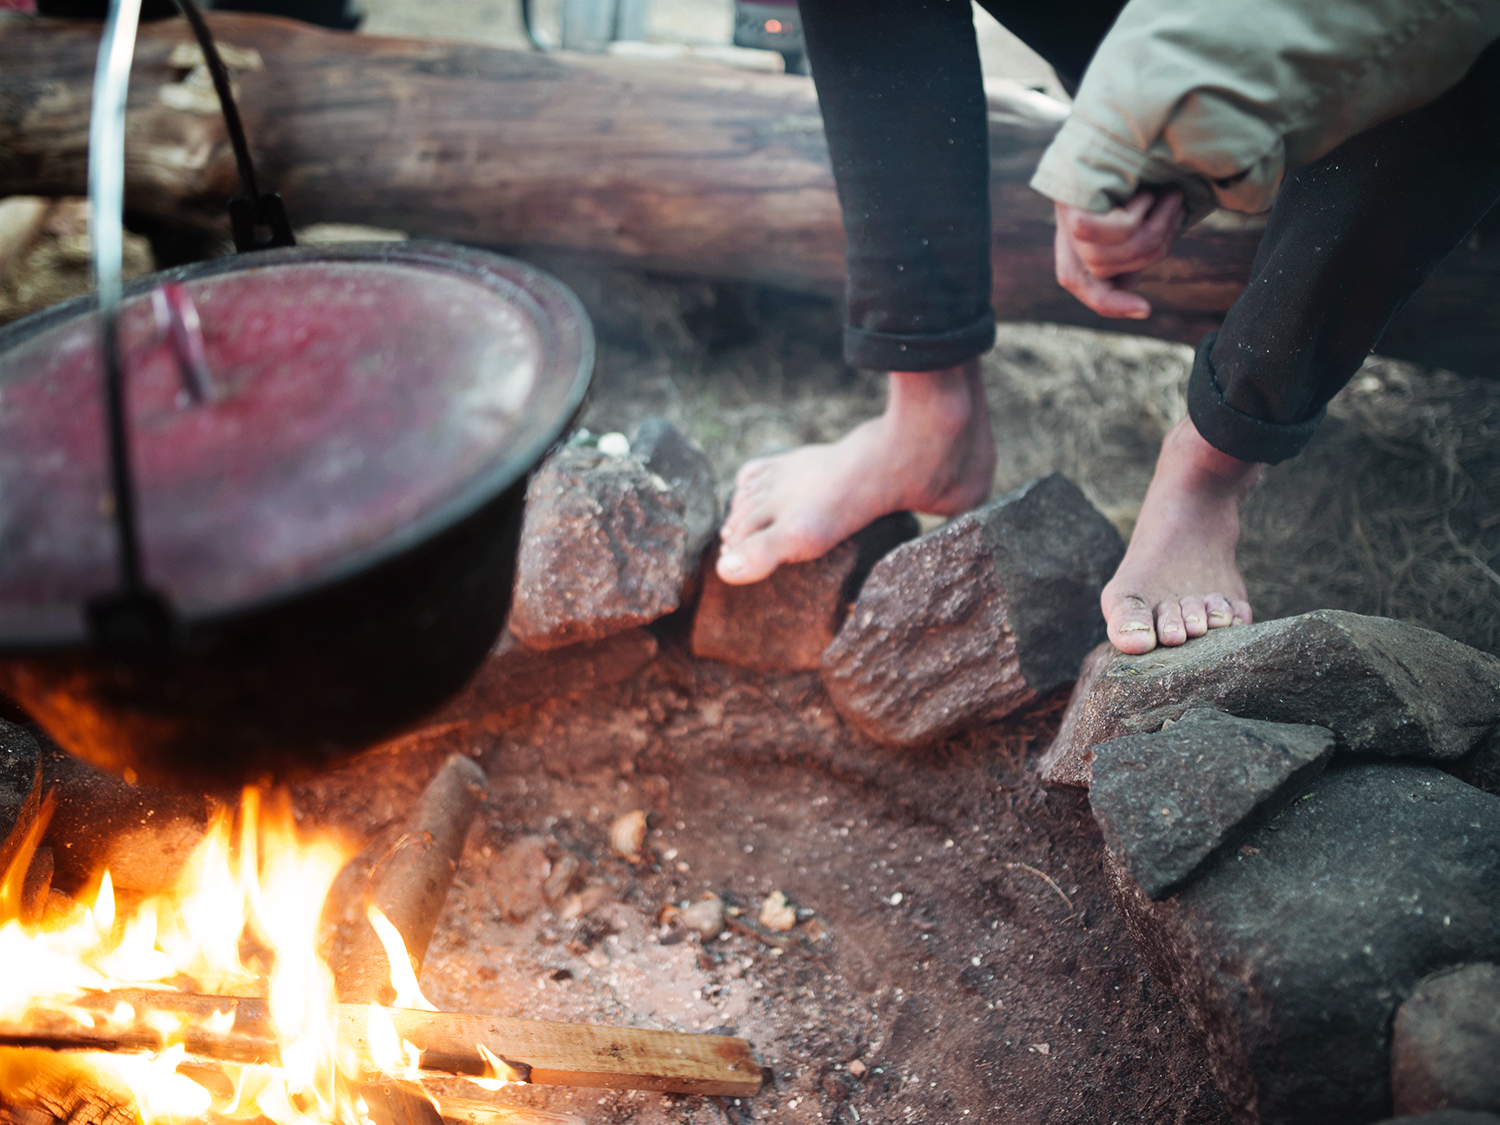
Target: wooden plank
[571, 1054]
[468, 1111]
[545, 1052]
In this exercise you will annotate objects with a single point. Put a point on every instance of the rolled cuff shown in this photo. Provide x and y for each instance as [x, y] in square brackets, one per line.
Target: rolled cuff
[1233, 432]
[891, 351]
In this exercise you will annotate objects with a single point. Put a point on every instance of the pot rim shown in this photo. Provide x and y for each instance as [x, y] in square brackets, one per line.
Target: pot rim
[547, 297]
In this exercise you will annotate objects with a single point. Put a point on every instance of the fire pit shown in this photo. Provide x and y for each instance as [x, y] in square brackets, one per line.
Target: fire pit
[954, 948]
[213, 1001]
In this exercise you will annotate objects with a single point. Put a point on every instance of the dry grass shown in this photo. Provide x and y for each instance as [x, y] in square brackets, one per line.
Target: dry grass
[1393, 509]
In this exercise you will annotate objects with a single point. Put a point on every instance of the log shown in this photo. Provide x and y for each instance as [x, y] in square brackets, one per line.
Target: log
[683, 167]
[547, 1052]
[688, 168]
[410, 882]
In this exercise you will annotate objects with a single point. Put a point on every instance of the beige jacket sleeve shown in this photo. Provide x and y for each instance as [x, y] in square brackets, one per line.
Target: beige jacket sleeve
[1222, 97]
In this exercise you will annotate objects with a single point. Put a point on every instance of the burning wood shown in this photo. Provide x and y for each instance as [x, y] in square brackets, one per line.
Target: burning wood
[212, 1001]
[541, 1052]
[410, 882]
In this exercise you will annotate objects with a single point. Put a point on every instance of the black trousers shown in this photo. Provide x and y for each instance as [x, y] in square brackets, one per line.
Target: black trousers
[1350, 239]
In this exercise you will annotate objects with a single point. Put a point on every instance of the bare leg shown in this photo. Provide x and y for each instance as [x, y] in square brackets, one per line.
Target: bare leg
[1179, 577]
[931, 451]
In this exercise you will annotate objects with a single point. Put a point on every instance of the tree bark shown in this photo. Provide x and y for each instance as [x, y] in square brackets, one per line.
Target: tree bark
[687, 168]
[690, 168]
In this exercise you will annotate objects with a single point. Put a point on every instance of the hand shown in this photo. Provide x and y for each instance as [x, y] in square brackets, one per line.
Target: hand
[1099, 257]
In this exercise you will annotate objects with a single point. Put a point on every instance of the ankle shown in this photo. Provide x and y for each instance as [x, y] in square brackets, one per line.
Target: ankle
[936, 404]
[1205, 467]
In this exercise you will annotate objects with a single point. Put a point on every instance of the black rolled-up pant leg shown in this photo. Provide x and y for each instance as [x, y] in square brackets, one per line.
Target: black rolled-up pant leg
[1350, 238]
[902, 95]
[903, 107]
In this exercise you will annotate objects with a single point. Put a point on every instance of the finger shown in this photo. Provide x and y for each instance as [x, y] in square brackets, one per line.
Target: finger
[1118, 224]
[1143, 249]
[1162, 224]
[1105, 297]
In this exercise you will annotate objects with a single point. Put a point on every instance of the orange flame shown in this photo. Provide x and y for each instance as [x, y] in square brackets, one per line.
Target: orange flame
[243, 921]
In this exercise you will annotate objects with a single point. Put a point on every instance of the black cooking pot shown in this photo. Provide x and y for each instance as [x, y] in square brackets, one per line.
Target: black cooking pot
[261, 512]
[330, 535]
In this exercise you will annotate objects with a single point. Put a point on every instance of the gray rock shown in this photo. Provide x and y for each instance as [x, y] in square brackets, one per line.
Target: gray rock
[19, 754]
[1445, 1117]
[602, 550]
[1290, 954]
[1066, 761]
[513, 674]
[1382, 686]
[144, 835]
[977, 618]
[1164, 801]
[1445, 1043]
[783, 623]
[671, 456]
[1481, 765]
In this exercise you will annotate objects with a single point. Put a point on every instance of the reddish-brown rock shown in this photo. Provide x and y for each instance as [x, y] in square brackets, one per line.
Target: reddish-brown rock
[1065, 761]
[784, 623]
[977, 618]
[602, 550]
[1445, 1042]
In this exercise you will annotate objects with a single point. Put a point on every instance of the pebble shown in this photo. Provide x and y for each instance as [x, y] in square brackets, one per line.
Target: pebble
[628, 833]
[705, 918]
[776, 913]
[615, 444]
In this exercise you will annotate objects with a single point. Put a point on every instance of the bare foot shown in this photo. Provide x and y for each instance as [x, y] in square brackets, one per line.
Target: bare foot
[931, 451]
[1179, 578]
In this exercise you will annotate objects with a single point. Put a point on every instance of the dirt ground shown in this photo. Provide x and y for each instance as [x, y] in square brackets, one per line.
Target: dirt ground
[956, 936]
[957, 939]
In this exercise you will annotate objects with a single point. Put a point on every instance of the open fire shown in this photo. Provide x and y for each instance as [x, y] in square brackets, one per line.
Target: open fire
[214, 1002]
[243, 922]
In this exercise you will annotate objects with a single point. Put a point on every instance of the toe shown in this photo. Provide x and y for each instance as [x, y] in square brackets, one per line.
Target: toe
[751, 478]
[1170, 629]
[1220, 612]
[1241, 609]
[748, 513]
[1194, 615]
[749, 560]
[1130, 624]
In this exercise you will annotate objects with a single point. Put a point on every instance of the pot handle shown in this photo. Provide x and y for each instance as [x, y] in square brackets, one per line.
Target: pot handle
[133, 611]
[135, 617]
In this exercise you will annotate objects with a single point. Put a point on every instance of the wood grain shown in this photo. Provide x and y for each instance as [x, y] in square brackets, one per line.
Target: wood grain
[549, 1053]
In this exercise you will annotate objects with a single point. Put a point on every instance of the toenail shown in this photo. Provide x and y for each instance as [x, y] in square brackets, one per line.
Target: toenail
[731, 563]
[1135, 627]
[1239, 621]
[1195, 620]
